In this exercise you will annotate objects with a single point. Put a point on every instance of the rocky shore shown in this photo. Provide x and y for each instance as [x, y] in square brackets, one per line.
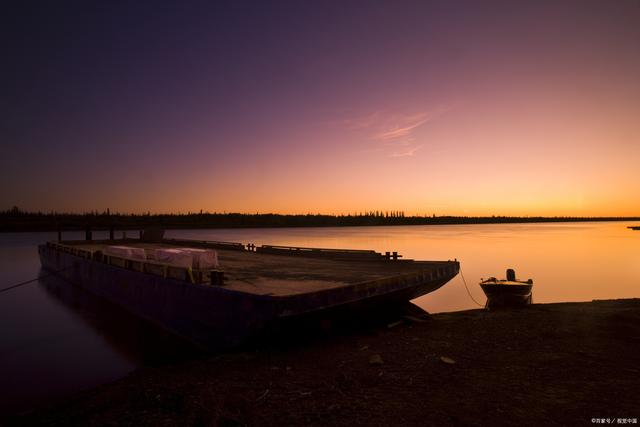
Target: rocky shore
[548, 364]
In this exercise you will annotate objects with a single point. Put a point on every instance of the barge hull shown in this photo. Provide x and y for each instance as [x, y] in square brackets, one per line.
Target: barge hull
[202, 314]
[215, 317]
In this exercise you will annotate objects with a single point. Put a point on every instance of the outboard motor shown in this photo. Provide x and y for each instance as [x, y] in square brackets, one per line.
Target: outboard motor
[511, 275]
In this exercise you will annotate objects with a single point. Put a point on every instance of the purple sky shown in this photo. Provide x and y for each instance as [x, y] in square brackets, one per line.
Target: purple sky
[514, 108]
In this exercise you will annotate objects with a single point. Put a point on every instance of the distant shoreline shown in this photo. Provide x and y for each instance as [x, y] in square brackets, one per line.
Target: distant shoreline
[18, 221]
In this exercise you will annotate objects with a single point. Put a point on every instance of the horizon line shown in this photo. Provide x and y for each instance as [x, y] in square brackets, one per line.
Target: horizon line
[370, 213]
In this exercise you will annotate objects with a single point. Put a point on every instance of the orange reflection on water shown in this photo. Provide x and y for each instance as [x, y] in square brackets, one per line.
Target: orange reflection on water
[567, 261]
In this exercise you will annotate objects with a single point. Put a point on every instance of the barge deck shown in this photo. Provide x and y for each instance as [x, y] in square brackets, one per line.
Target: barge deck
[251, 288]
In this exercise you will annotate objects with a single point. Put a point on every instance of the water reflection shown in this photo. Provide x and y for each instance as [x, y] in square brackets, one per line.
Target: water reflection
[58, 339]
[567, 261]
[133, 338]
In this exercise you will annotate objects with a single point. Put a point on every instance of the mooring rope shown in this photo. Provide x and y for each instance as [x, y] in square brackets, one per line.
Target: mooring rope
[32, 280]
[468, 292]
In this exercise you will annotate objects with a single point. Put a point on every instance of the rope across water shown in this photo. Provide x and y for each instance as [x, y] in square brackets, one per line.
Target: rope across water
[468, 292]
[17, 285]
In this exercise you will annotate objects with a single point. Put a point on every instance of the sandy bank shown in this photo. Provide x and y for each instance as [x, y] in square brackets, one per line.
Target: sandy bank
[549, 364]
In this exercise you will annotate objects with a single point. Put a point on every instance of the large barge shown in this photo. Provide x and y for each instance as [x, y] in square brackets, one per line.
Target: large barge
[252, 287]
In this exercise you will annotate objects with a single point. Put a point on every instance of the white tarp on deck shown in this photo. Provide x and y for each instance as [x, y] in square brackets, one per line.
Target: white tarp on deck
[174, 257]
[125, 252]
[203, 259]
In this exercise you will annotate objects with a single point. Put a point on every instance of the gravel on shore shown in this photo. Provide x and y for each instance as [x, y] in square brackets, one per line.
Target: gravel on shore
[547, 364]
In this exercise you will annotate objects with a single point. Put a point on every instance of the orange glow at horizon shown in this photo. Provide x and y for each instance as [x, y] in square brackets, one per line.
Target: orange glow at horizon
[521, 110]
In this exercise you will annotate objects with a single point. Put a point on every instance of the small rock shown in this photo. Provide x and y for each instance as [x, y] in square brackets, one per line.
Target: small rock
[363, 348]
[447, 360]
[375, 360]
[415, 319]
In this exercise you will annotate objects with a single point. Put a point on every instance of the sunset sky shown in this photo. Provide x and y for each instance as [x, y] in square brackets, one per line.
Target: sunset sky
[446, 108]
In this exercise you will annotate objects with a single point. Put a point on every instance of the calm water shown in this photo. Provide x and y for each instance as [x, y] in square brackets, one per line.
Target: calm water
[57, 340]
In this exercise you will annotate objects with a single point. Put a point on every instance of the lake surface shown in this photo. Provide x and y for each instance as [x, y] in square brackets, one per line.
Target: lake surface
[57, 339]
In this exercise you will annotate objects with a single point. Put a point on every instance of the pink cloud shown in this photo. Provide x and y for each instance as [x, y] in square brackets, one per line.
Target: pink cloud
[393, 133]
[363, 122]
[406, 153]
[399, 132]
[403, 125]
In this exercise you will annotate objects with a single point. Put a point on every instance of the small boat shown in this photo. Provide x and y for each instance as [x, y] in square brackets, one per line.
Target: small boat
[509, 292]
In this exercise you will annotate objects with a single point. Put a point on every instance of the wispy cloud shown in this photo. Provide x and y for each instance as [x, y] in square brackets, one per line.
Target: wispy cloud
[393, 133]
[364, 122]
[408, 124]
[407, 152]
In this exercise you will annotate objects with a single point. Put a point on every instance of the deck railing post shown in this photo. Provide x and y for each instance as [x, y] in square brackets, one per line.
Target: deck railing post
[217, 278]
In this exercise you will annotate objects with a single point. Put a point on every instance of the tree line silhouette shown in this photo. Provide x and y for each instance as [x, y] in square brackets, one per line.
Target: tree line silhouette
[15, 219]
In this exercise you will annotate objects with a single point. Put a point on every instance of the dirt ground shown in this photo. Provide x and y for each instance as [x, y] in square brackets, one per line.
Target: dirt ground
[548, 364]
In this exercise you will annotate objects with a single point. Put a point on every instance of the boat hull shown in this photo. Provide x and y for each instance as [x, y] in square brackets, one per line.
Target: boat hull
[505, 295]
[214, 317]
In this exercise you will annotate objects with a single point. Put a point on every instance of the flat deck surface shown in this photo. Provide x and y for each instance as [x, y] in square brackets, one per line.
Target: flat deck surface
[267, 274]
